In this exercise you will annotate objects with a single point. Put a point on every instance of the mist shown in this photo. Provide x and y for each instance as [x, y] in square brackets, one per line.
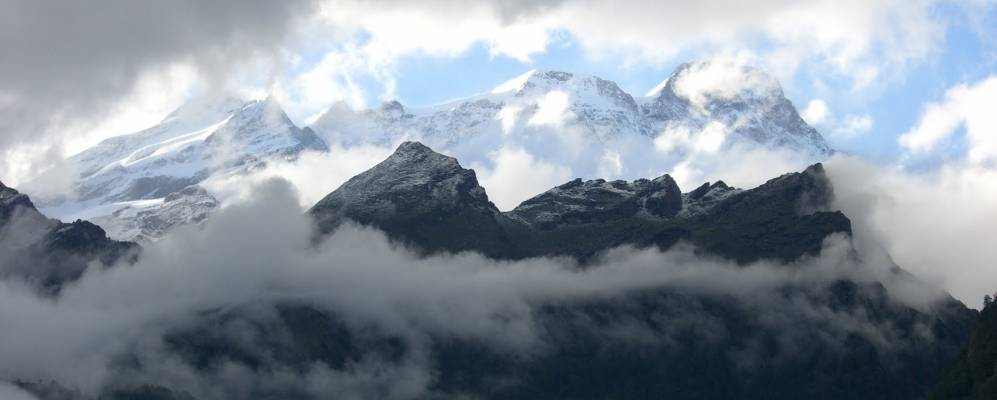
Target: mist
[936, 224]
[260, 252]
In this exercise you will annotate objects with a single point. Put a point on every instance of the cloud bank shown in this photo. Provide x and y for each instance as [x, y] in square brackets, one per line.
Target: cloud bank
[260, 252]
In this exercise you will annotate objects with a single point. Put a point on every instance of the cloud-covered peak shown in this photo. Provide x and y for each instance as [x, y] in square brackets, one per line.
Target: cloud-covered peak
[582, 88]
[720, 80]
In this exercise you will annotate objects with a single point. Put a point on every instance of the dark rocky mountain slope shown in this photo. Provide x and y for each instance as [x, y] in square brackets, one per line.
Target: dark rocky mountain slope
[45, 252]
[973, 375]
[833, 335]
[429, 201]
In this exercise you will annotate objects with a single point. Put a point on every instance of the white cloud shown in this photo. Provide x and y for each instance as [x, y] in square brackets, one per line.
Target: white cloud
[852, 126]
[682, 139]
[724, 78]
[816, 112]
[435, 27]
[331, 80]
[935, 224]
[313, 174]
[968, 106]
[742, 165]
[552, 109]
[856, 39]
[517, 176]
[611, 165]
[818, 115]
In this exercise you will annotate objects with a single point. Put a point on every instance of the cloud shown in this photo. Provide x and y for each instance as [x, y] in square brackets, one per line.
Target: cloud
[723, 78]
[816, 112]
[10, 392]
[852, 126]
[517, 176]
[313, 174]
[682, 139]
[854, 38]
[935, 224]
[260, 252]
[965, 106]
[71, 68]
[552, 110]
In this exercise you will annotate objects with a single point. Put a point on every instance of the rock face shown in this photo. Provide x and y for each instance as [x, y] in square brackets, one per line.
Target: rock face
[428, 200]
[973, 375]
[422, 196]
[783, 219]
[754, 110]
[47, 253]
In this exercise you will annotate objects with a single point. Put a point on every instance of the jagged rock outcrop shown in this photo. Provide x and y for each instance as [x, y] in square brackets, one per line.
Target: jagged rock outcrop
[47, 253]
[428, 200]
[421, 197]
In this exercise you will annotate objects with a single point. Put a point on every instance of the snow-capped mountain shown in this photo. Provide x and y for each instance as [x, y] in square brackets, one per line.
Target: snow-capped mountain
[199, 139]
[745, 100]
[587, 124]
[132, 175]
[147, 220]
[749, 104]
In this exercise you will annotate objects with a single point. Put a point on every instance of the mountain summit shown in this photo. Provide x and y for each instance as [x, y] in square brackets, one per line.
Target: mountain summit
[427, 200]
[125, 181]
[420, 195]
[747, 102]
[197, 140]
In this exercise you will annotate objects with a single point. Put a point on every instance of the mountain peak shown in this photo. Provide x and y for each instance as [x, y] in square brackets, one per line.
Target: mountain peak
[419, 194]
[206, 108]
[10, 198]
[414, 179]
[704, 81]
[415, 147]
[745, 99]
[392, 107]
[547, 79]
[514, 84]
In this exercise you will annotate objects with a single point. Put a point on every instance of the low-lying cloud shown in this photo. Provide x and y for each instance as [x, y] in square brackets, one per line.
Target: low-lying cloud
[936, 224]
[261, 252]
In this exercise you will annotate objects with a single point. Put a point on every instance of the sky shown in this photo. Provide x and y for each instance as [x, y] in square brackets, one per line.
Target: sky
[862, 72]
[907, 87]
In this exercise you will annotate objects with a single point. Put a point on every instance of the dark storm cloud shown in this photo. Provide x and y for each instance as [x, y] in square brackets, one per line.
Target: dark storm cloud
[68, 62]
